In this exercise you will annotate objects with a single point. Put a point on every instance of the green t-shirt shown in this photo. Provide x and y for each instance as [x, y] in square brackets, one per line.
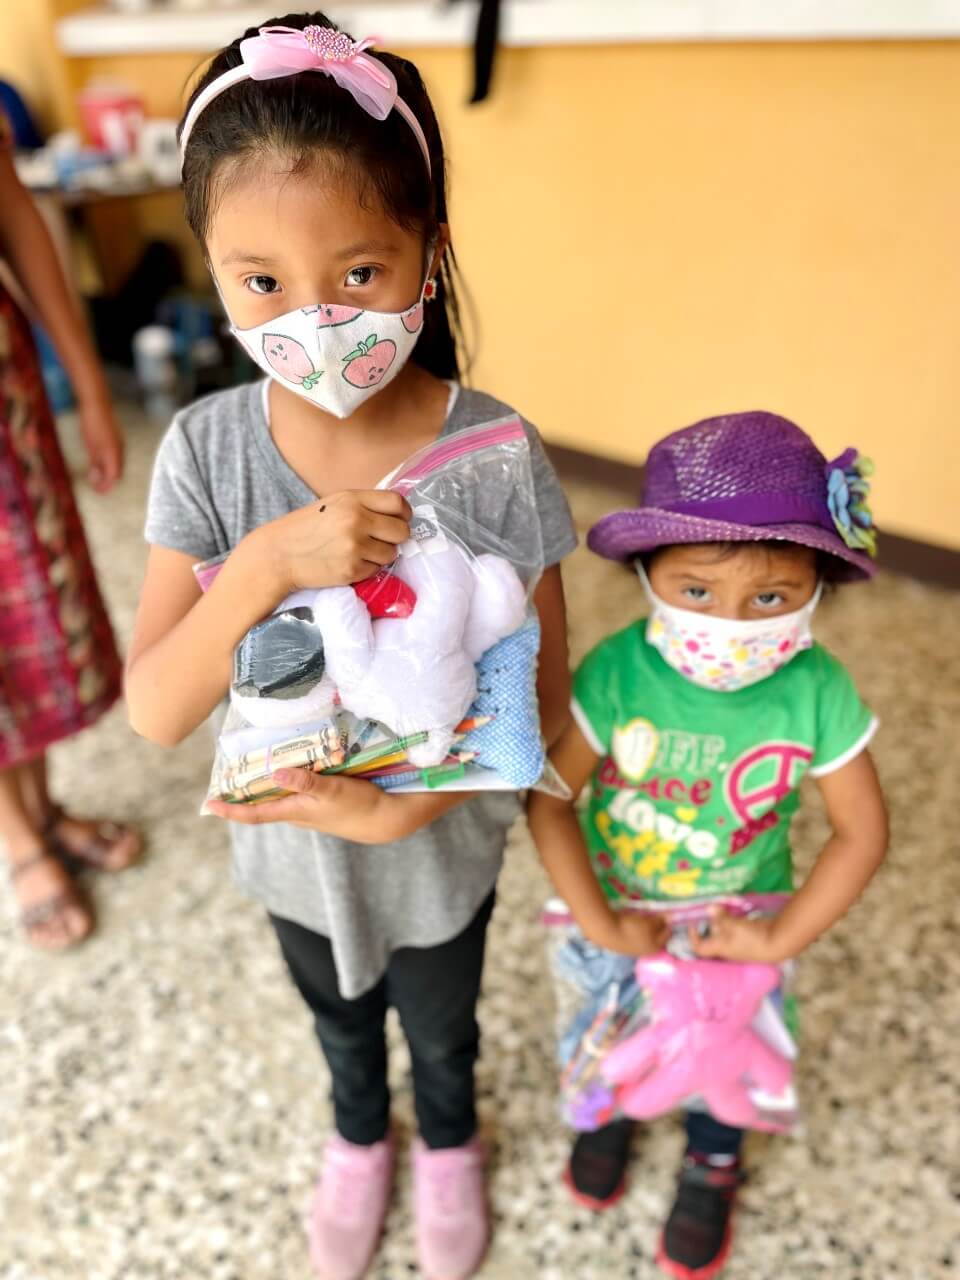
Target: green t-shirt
[696, 788]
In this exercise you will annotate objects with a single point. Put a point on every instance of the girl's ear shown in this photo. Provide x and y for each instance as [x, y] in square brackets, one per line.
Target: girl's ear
[440, 247]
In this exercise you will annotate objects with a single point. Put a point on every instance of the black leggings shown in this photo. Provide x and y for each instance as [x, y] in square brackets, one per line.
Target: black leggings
[434, 990]
[711, 1137]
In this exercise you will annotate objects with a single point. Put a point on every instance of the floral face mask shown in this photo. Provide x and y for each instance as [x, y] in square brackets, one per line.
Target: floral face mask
[726, 654]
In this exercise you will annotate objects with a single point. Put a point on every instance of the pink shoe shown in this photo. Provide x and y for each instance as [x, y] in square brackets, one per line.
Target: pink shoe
[349, 1206]
[450, 1205]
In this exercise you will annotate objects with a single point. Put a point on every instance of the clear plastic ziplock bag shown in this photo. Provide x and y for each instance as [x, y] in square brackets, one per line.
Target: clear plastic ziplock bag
[640, 1037]
[424, 675]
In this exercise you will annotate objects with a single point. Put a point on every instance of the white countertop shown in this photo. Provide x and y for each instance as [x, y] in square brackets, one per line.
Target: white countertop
[402, 23]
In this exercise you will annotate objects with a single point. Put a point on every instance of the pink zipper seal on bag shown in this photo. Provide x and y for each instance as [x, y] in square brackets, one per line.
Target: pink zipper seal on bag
[447, 449]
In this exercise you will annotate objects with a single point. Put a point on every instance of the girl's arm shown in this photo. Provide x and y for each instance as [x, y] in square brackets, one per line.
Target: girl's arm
[845, 867]
[357, 810]
[553, 672]
[25, 242]
[556, 833]
[181, 654]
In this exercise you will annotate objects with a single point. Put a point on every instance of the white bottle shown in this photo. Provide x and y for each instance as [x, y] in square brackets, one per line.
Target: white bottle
[153, 358]
[156, 369]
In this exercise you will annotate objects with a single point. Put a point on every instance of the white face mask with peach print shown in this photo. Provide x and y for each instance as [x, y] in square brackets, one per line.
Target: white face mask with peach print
[334, 356]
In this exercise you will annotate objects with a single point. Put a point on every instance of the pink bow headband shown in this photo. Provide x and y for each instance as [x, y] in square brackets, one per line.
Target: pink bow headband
[283, 51]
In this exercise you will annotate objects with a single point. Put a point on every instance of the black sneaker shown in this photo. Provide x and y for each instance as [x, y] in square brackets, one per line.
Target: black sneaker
[596, 1170]
[699, 1230]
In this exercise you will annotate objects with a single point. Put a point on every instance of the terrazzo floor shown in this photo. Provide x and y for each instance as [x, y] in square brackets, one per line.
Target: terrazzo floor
[163, 1103]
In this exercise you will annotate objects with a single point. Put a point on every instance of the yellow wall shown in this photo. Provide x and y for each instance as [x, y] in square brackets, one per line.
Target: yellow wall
[29, 59]
[655, 233]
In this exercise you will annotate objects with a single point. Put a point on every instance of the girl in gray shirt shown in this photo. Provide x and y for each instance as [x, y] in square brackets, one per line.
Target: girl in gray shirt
[317, 192]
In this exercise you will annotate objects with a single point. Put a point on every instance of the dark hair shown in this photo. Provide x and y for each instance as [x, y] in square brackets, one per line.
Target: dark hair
[308, 113]
[825, 564]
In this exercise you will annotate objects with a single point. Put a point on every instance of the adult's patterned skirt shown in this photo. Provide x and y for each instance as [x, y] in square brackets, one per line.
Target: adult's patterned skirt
[59, 666]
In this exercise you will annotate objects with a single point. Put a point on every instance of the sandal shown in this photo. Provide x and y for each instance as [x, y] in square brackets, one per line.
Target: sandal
[95, 852]
[55, 907]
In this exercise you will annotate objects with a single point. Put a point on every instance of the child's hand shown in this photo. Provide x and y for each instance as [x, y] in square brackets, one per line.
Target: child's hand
[631, 933]
[735, 938]
[345, 807]
[350, 808]
[337, 540]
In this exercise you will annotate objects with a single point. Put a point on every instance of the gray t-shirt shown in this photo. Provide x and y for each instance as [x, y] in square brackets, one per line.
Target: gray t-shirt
[217, 476]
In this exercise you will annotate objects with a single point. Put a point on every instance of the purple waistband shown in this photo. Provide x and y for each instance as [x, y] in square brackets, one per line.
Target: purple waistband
[759, 508]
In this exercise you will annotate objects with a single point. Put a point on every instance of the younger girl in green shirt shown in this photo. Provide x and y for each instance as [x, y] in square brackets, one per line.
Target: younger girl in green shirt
[694, 728]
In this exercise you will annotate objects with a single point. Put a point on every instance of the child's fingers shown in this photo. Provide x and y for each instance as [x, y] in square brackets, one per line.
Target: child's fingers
[377, 553]
[310, 794]
[298, 780]
[716, 944]
[354, 793]
[318, 793]
[388, 529]
[286, 809]
[717, 949]
[650, 936]
[709, 948]
[387, 501]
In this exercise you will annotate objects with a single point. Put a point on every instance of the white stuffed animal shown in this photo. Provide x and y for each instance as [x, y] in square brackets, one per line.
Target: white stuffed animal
[418, 673]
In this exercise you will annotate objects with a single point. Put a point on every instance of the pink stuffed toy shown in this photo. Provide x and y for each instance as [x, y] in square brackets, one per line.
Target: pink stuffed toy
[700, 1043]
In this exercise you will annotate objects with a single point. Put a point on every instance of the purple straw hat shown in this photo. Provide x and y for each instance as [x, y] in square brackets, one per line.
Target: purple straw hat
[747, 477]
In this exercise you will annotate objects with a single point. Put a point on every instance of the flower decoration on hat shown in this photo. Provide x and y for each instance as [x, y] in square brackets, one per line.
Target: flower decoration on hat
[848, 487]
